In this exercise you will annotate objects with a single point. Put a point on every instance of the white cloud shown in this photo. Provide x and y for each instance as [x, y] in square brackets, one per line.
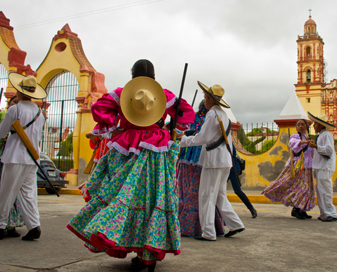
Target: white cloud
[249, 47]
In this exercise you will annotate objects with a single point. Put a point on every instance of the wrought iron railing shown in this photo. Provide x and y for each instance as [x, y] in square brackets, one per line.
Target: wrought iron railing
[58, 131]
[257, 138]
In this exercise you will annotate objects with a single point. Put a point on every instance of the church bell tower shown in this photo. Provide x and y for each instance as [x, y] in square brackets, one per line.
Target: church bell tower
[310, 68]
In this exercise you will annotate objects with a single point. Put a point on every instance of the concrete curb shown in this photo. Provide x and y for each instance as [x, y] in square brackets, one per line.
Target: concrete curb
[260, 199]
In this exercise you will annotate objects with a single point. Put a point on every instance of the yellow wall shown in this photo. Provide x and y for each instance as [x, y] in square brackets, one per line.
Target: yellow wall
[264, 168]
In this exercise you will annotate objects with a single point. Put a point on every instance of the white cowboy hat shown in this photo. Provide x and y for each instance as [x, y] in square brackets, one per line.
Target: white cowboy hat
[27, 85]
[321, 119]
[215, 92]
[143, 101]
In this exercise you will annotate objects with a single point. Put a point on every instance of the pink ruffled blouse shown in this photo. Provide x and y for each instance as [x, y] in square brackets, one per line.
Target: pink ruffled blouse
[107, 111]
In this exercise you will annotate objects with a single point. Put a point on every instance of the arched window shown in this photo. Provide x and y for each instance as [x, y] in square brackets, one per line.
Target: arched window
[307, 51]
[308, 76]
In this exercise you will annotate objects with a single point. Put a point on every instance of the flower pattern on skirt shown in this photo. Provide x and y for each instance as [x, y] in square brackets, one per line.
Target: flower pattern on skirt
[15, 218]
[296, 192]
[133, 206]
[188, 177]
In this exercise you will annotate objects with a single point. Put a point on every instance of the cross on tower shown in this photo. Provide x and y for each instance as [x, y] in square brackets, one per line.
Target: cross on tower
[310, 13]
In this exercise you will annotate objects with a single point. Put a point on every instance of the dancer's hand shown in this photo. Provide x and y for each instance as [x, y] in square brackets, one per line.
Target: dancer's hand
[91, 136]
[180, 135]
[117, 131]
[312, 144]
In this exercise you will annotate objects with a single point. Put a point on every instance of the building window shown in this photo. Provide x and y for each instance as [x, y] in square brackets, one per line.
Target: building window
[307, 50]
[308, 76]
[308, 100]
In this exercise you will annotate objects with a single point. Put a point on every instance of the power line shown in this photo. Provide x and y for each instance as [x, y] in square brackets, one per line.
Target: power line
[88, 13]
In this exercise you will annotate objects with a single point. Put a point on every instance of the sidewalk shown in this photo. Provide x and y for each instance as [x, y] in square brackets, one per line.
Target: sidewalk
[253, 196]
[274, 241]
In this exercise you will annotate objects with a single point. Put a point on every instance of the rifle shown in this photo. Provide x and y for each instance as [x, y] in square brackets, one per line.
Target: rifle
[229, 149]
[173, 122]
[30, 149]
[2, 90]
[195, 95]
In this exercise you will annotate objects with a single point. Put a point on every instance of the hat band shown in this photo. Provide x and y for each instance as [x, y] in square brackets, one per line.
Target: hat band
[29, 89]
[215, 96]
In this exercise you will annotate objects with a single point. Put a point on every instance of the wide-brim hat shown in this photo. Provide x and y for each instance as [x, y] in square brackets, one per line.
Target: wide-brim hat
[27, 85]
[143, 101]
[216, 92]
[321, 119]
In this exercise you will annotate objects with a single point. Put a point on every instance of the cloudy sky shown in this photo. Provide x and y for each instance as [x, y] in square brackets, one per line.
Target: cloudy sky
[247, 46]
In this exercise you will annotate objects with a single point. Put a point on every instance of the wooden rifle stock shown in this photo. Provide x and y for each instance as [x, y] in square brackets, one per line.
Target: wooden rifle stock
[228, 148]
[23, 136]
[31, 150]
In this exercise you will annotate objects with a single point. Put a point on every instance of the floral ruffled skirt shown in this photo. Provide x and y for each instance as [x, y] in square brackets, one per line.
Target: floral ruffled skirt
[188, 177]
[298, 192]
[133, 206]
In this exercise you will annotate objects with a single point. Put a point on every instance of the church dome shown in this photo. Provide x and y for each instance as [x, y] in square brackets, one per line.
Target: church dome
[310, 22]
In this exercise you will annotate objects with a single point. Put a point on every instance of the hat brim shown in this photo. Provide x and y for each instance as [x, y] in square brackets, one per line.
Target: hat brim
[151, 116]
[220, 102]
[16, 78]
[320, 121]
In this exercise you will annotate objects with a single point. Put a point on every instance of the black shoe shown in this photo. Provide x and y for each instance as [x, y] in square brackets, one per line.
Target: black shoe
[202, 238]
[135, 260]
[32, 234]
[253, 212]
[305, 215]
[297, 213]
[12, 233]
[233, 232]
[2, 233]
[328, 219]
[140, 266]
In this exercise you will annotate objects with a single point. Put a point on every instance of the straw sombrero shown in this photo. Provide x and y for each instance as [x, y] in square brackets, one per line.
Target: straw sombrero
[215, 92]
[27, 85]
[143, 101]
[321, 119]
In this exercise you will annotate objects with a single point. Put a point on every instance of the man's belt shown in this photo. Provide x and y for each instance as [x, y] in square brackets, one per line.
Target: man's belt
[221, 140]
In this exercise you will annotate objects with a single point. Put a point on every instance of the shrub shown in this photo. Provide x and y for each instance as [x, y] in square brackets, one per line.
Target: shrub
[65, 164]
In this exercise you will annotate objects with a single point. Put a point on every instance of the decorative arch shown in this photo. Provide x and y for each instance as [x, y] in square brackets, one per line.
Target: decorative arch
[66, 54]
[11, 56]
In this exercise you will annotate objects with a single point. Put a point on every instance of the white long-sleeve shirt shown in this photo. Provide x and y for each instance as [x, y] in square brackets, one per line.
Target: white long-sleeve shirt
[15, 151]
[209, 133]
[325, 146]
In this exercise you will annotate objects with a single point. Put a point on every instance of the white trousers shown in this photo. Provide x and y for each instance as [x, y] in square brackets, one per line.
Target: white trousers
[213, 192]
[324, 193]
[19, 180]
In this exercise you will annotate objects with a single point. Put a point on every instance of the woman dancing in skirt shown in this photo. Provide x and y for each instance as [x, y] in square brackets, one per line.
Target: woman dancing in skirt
[134, 204]
[298, 191]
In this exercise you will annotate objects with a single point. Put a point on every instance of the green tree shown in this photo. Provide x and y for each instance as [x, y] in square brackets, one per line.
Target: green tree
[66, 147]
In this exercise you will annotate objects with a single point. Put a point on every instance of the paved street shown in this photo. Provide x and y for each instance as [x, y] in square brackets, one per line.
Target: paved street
[274, 241]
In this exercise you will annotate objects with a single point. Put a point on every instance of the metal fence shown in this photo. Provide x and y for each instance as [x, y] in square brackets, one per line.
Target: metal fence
[258, 138]
[57, 140]
[3, 85]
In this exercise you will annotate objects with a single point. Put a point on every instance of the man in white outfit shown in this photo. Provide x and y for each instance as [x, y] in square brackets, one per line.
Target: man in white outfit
[19, 170]
[323, 164]
[217, 162]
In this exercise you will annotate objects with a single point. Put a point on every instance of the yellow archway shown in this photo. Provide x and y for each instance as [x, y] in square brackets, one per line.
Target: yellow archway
[66, 54]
